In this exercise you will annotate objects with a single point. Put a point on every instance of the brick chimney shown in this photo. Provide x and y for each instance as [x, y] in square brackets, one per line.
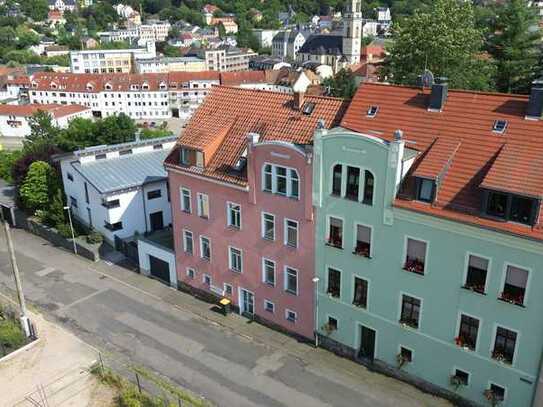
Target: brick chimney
[299, 100]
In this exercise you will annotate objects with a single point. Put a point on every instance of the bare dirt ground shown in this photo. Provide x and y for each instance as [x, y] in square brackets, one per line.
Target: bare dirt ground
[54, 371]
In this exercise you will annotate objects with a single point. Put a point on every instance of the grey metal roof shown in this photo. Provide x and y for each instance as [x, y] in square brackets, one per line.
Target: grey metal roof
[323, 45]
[124, 172]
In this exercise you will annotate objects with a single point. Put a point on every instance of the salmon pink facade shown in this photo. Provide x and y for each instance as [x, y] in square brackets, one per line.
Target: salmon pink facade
[258, 239]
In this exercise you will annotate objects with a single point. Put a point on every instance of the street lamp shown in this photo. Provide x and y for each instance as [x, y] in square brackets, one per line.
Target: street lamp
[69, 209]
[316, 281]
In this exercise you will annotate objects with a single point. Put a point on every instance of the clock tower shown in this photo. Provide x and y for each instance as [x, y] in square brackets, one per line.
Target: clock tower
[352, 31]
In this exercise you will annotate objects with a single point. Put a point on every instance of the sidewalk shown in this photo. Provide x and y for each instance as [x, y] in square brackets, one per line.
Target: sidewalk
[55, 366]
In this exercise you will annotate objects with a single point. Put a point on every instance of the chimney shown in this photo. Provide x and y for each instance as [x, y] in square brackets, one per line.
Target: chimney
[535, 103]
[299, 100]
[438, 97]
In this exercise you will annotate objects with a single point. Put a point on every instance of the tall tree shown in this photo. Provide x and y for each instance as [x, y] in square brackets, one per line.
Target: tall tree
[514, 42]
[42, 132]
[342, 85]
[443, 38]
[34, 191]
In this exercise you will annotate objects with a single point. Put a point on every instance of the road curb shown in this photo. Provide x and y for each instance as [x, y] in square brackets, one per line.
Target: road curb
[28, 346]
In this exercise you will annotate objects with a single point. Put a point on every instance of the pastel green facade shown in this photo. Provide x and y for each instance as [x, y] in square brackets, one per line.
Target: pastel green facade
[435, 353]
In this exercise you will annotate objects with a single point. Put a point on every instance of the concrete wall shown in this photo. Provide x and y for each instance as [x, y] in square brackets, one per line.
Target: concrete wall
[435, 354]
[146, 249]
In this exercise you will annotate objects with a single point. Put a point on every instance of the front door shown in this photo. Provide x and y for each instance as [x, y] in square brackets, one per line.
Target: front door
[157, 221]
[367, 343]
[247, 302]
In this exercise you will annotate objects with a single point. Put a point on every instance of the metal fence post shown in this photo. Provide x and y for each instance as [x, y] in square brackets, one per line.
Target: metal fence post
[101, 364]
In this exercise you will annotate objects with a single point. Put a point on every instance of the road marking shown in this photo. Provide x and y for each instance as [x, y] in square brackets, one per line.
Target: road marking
[43, 272]
[82, 299]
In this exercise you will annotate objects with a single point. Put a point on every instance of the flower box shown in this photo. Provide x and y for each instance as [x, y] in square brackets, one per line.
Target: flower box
[413, 323]
[512, 299]
[500, 357]
[334, 242]
[475, 288]
[414, 266]
[362, 249]
[463, 343]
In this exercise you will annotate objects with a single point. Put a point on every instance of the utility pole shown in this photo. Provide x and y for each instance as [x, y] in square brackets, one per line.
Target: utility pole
[20, 296]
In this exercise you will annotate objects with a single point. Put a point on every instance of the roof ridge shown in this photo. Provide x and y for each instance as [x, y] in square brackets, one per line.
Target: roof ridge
[243, 90]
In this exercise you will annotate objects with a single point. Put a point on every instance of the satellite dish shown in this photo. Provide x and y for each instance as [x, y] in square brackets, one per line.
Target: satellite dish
[427, 79]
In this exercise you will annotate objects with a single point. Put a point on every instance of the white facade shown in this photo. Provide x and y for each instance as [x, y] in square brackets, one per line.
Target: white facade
[119, 213]
[265, 37]
[109, 60]
[16, 125]
[147, 249]
[352, 31]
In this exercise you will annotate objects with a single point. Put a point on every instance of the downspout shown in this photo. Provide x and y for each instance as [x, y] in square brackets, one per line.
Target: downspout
[144, 207]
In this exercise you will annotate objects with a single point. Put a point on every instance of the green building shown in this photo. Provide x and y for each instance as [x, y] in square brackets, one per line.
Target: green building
[429, 239]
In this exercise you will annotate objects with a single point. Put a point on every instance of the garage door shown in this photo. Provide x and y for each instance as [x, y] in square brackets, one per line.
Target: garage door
[160, 269]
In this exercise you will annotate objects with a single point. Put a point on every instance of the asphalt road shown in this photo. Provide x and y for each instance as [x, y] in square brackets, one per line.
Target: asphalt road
[225, 367]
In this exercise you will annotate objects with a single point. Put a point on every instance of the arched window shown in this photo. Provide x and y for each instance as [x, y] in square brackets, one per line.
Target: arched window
[336, 180]
[353, 181]
[368, 187]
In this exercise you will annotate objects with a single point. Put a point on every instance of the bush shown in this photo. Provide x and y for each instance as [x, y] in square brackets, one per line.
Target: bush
[64, 230]
[94, 237]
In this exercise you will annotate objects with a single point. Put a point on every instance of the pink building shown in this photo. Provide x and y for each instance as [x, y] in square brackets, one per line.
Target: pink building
[240, 178]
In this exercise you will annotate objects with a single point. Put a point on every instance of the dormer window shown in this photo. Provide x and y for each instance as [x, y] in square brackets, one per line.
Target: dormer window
[499, 126]
[308, 108]
[240, 164]
[426, 189]
[510, 207]
[108, 86]
[372, 111]
[162, 86]
[145, 86]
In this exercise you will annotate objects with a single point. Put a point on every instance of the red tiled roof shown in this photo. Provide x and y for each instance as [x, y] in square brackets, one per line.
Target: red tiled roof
[437, 159]
[241, 77]
[220, 126]
[72, 82]
[518, 171]
[56, 111]
[467, 117]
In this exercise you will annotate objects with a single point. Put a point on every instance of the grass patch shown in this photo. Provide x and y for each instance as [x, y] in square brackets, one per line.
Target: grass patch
[12, 336]
[129, 395]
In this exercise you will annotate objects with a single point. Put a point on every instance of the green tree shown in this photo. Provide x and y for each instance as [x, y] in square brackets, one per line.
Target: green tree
[222, 31]
[115, 129]
[342, 85]
[35, 9]
[444, 39]
[34, 191]
[7, 160]
[514, 43]
[42, 132]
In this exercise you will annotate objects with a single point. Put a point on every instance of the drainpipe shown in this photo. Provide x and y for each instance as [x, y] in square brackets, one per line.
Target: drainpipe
[144, 207]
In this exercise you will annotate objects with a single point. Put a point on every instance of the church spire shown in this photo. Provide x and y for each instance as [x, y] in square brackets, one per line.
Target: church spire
[352, 31]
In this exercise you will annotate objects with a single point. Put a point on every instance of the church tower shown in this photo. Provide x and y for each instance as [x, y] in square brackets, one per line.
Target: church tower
[352, 31]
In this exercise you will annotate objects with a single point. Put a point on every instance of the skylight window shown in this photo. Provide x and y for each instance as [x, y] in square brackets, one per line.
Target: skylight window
[499, 126]
[372, 111]
[308, 108]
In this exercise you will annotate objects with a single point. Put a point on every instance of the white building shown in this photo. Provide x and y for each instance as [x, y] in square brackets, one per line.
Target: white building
[119, 190]
[139, 96]
[109, 60]
[62, 5]
[286, 44]
[264, 36]
[14, 118]
[170, 64]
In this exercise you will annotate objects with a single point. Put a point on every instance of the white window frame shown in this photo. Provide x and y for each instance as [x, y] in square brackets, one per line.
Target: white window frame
[355, 236]
[466, 265]
[285, 232]
[493, 341]
[266, 302]
[185, 232]
[230, 248]
[229, 217]
[182, 204]
[400, 303]
[287, 311]
[231, 289]
[327, 267]
[202, 237]
[285, 282]
[263, 228]
[361, 181]
[353, 286]
[199, 197]
[459, 320]
[264, 260]
[528, 280]
[327, 235]
[400, 346]
[188, 270]
[500, 385]
[288, 176]
[455, 368]
[426, 254]
[204, 277]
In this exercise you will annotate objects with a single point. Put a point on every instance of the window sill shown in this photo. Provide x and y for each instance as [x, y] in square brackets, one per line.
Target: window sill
[235, 271]
[295, 294]
[361, 306]
[334, 297]
[333, 245]
[473, 290]
[511, 302]
[362, 255]
[290, 246]
[501, 361]
[185, 211]
[271, 285]
[207, 260]
[418, 273]
[267, 239]
[203, 217]
[408, 325]
[232, 227]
